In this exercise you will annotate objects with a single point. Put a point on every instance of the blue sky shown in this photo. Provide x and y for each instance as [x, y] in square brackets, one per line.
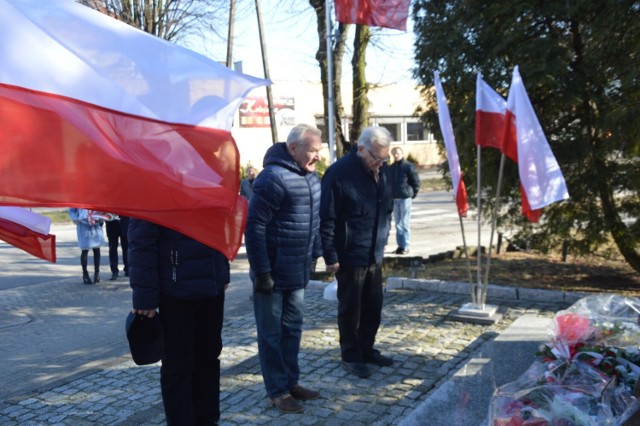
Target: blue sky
[292, 42]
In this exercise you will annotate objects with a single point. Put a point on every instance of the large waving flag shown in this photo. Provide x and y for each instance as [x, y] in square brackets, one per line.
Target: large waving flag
[490, 115]
[452, 151]
[540, 175]
[97, 114]
[28, 231]
[375, 13]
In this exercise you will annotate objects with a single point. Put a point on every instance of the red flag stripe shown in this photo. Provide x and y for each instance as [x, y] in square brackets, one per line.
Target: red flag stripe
[39, 245]
[62, 152]
[375, 13]
[461, 199]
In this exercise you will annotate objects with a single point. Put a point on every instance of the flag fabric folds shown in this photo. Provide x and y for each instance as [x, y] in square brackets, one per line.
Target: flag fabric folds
[97, 114]
[28, 231]
[541, 179]
[375, 13]
[446, 127]
[490, 115]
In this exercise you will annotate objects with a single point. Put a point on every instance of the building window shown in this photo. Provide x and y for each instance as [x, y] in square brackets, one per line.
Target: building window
[394, 129]
[415, 132]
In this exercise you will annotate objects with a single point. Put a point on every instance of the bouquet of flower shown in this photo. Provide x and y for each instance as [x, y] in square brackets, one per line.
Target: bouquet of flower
[96, 216]
[582, 377]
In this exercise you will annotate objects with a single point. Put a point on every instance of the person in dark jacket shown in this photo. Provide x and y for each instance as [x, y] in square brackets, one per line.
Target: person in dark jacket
[117, 236]
[355, 216]
[186, 280]
[406, 184]
[282, 241]
[246, 185]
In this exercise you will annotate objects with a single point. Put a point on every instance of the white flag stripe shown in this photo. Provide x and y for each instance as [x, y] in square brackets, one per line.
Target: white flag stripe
[540, 173]
[33, 221]
[99, 60]
[487, 99]
[447, 133]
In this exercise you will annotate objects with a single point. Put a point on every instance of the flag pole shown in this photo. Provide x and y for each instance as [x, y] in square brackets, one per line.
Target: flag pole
[480, 299]
[474, 298]
[330, 99]
[494, 220]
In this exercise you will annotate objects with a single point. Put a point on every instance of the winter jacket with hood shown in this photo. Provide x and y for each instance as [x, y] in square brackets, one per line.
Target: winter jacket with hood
[281, 236]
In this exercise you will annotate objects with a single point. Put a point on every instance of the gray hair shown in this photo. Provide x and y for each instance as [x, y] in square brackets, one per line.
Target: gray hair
[375, 135]
[298, 133]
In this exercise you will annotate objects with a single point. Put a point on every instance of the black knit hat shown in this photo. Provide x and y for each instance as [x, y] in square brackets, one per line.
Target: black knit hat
[145, 337]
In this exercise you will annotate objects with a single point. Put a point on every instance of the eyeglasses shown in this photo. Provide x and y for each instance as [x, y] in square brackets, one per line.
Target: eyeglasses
[376, 158]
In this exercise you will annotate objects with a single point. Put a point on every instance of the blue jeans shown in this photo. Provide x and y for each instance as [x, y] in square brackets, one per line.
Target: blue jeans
[279, 323]
[402, 218]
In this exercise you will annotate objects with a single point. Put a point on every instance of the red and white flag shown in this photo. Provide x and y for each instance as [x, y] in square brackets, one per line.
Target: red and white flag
[452, 151]
[28, 231]
[490, 115]
[97, 114]
[541, 179]
[375, 13]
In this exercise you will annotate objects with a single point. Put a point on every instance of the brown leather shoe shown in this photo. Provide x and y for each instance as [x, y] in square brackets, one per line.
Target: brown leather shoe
[303, 394]
[287, 404]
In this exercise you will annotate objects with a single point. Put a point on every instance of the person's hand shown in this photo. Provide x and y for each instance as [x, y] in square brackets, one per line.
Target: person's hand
[149, 313]
[263, 283]
[333, 268]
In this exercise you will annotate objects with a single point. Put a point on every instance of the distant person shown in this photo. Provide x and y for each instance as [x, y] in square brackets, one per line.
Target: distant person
[246, 185]
[186, 280]
[355, 215]
[406, 184]
[282, 241]
[90, 237]
[117, 236]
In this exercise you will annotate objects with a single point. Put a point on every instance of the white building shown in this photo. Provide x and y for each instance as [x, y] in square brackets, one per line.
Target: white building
[296, 102]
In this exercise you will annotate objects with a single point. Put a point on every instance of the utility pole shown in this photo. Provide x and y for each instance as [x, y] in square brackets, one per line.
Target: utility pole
[232, 20]
[263, 47]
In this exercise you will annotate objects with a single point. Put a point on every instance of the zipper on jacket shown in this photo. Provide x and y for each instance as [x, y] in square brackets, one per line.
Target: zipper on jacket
[174, 263]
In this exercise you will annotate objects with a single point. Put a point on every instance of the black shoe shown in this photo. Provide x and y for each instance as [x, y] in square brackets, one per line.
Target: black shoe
[96, 277]
[359, 369]
[378, 359]
[400, 250]
[86, 279]
[114, 276]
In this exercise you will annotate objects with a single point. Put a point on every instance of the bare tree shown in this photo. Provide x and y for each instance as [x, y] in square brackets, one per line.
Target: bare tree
[171, 20]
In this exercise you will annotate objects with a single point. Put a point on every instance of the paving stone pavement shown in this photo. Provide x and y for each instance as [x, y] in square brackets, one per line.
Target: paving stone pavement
[427, 349]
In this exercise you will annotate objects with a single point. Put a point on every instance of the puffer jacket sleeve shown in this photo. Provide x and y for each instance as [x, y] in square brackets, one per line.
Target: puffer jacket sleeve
[223, 275]
[268, 192]
[143, 264]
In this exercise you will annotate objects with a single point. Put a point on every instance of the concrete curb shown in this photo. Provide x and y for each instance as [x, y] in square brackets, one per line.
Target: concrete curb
[493, 291]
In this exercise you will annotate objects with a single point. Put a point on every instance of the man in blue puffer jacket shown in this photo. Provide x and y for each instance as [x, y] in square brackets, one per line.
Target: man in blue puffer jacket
[186, 280]
[355, 213]
[282, 241]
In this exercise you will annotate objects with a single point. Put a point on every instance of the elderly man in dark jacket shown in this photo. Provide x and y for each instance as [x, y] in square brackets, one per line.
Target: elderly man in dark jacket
[282, 241]
[355, 217]
[187, 281]
[406, 184]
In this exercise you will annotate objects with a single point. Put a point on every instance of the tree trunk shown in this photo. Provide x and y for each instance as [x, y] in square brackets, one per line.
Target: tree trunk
[622, 235]
[321, 57]
[360, 87]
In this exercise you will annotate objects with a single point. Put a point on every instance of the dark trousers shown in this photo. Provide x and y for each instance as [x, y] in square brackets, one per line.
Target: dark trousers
[190, 372]
[117, 234]
[359, 309]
